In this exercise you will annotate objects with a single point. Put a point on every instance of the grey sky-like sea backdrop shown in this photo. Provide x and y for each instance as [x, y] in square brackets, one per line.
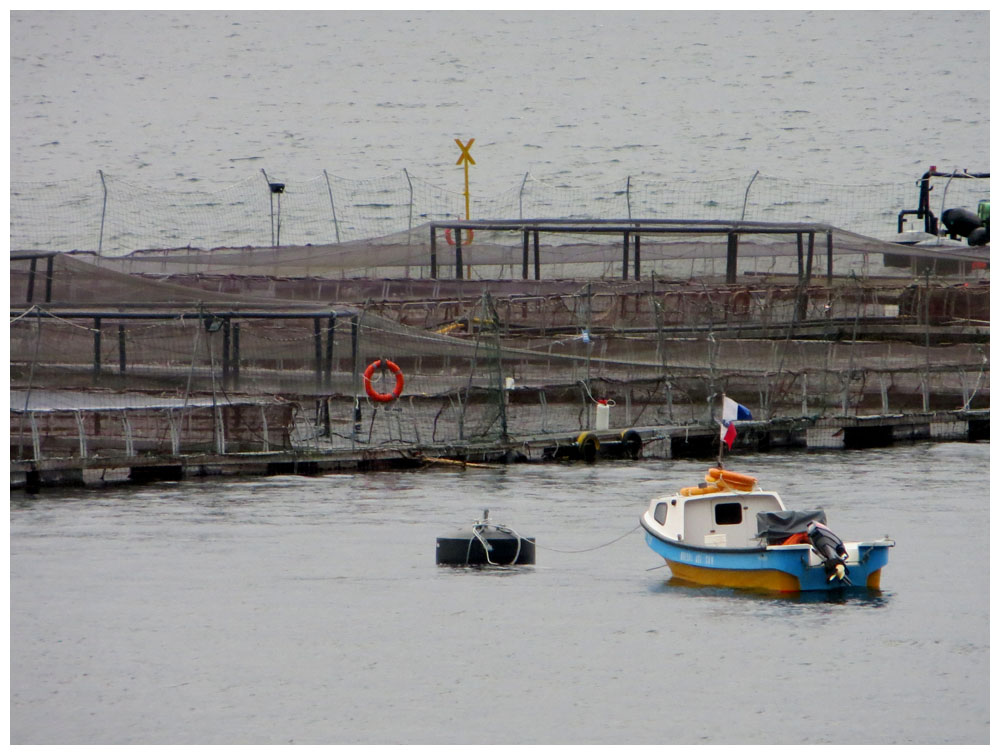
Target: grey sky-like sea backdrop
[172, 98]
[310, 610]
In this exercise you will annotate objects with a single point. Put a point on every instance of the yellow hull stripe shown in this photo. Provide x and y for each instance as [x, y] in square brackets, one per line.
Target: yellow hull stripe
[762, 579]
[751, 580]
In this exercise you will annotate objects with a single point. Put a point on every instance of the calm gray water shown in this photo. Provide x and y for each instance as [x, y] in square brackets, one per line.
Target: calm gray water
[310, 610]
[582, 98]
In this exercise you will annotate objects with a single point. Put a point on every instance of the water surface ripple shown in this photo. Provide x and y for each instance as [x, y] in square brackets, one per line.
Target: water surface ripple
[310, 610]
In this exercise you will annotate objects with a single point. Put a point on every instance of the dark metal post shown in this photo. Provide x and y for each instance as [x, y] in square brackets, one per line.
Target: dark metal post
[354, 372]
[48, 278]
[804, 275]
[318, 349]
[236, 355]
[225, 351]
[121, 349]
[434, 253]
[798, 238]
[829, 258]
[458, 254]
[97, 348]
[809, 257]
[354, 341]
[524, 255]
[625, 257]
[331, 323]
[538, 267]
[732, 256]
[636, 260]
[31, 278]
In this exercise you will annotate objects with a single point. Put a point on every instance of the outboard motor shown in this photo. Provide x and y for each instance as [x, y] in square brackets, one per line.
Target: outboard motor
[980, 236]
[831, 549]
[961, 222]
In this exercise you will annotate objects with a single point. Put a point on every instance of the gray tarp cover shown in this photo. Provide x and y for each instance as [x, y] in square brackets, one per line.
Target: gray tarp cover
[781, 524]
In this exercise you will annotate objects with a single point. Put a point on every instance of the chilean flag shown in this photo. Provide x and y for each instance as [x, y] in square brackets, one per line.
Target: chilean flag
[731, 411]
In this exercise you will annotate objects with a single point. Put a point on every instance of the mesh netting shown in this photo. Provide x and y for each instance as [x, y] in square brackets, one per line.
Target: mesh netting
[500, 254]
[188, 369]
[116, 216]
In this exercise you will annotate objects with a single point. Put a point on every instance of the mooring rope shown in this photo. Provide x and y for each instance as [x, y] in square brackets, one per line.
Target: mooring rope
[478, 527]
[594, 548]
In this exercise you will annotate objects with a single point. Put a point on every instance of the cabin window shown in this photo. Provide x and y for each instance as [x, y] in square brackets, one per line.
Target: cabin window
[660, 512]
[728, 513]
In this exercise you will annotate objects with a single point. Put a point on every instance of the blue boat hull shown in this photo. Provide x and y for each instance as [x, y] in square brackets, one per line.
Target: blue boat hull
[784, 569]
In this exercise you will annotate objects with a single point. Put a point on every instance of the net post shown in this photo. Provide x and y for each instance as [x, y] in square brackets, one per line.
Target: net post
[625, 256]
[732, 255]
[829, 258]
[524, 255]
[97, 349]
[434, 255]
[538, 268]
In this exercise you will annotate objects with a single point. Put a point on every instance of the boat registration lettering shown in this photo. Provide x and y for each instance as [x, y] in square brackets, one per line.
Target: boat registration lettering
[698, 559]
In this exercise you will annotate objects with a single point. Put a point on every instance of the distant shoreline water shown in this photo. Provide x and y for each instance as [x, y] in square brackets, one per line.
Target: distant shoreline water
[168, 98]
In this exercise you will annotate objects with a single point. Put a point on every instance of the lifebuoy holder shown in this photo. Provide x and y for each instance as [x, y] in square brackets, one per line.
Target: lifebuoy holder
[451, 241]
[384, 398]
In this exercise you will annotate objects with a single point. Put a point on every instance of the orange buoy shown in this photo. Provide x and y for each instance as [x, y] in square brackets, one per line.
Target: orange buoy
[735, 480]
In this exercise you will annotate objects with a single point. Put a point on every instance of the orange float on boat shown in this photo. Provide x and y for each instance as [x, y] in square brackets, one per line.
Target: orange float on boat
[743, 482]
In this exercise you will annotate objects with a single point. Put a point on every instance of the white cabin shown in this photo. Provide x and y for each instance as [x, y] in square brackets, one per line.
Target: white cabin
[719, 520]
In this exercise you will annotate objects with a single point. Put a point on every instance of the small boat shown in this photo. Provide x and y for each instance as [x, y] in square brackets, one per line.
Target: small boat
[943, 235]
[728, 532]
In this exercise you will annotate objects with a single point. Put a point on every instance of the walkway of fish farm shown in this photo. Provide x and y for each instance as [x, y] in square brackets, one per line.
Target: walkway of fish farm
[176, 363]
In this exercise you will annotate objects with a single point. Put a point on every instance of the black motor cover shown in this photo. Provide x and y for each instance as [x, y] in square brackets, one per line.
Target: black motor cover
[980, 237]
[961, 222]
[830, 547]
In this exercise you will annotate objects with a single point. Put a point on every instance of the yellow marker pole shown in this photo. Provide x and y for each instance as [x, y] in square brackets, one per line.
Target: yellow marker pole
[465, 159]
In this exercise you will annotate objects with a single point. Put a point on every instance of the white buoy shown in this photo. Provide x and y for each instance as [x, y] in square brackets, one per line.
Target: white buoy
[603, 421]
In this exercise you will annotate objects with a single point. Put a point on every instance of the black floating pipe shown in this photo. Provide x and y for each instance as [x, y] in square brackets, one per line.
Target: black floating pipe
[71, 314]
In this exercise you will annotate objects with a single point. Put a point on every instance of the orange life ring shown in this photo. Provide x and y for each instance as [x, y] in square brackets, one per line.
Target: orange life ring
[451, 241]
[384, 398]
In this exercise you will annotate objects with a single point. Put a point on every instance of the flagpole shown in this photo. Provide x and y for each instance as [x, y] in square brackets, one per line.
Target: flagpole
[721, 442]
